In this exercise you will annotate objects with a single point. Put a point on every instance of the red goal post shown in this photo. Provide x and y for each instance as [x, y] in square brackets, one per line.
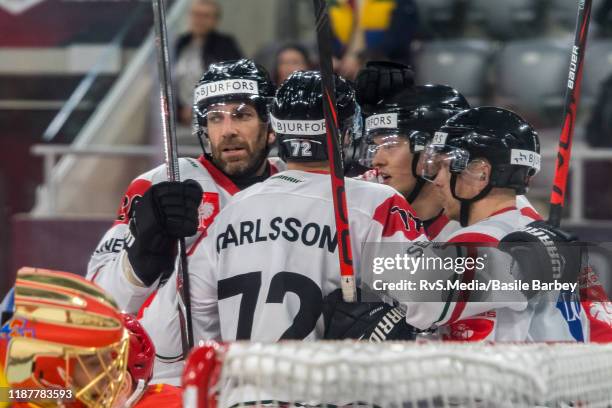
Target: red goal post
[398, 374]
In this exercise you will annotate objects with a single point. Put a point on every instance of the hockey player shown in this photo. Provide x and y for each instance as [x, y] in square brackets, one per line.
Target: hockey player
[67, 339]
[479, 161]
[231, 107]
[424, 109]
[271, 255]
[376, 81]
[396, 132]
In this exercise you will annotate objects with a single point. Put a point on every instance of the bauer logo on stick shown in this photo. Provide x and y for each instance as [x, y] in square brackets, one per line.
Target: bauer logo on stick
[573, 66]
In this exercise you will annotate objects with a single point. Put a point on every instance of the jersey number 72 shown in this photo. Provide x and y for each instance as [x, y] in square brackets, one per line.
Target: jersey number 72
[249, 284]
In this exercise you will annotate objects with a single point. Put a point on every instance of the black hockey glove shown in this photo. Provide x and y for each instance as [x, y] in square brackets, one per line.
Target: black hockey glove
[544, 252]
[374, 322]
[380, 79]
[166, 212]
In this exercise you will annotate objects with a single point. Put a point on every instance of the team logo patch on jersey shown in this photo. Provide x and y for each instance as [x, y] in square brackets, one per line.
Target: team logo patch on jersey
[134, 191]
[602, 311]
[208, 210]
[395, 215]
[476, 329]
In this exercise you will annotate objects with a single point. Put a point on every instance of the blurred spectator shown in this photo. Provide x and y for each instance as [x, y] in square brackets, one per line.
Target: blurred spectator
[195, 50]
[599, 128]
[290, 58]
[599, 134]
[372, 29]
[603, 17]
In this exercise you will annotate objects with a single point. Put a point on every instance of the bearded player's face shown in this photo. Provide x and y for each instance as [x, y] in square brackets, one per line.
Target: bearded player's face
[238, 138]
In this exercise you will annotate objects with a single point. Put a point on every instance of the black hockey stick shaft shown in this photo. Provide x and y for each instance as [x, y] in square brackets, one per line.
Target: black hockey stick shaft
[572, 96]
[334, 152]
[172, 165]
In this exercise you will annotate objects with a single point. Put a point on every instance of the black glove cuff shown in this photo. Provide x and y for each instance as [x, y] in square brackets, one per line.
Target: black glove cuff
[149, 266]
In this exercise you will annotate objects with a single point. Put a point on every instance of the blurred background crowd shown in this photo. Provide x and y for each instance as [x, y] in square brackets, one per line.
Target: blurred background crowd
[79, 93]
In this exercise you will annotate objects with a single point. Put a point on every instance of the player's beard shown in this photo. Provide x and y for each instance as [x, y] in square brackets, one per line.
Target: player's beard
[254, 159]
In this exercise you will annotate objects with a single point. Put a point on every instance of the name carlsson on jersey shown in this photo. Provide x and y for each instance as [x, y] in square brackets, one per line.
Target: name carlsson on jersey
[290, 229]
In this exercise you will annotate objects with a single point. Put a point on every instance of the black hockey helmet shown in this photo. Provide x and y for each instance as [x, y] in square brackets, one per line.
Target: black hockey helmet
[503, 138]
[412, 116]
[232, 81]
[297, 116]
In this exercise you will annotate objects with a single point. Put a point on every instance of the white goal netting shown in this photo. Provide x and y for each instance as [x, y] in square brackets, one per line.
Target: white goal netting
[413, 375]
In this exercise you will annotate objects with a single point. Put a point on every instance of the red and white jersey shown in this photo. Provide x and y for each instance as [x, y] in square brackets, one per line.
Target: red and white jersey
[597, 307]
[271, 255]
[596, 311]
[538, 319]
[161, 395]
[109, 266]
[441, 227]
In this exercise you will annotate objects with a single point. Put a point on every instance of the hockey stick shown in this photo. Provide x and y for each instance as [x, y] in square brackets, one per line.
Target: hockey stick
[572, 95]
[336, 166]
[172, 166]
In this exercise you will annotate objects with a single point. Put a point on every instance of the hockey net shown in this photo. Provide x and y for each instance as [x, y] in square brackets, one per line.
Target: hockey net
[431, 374]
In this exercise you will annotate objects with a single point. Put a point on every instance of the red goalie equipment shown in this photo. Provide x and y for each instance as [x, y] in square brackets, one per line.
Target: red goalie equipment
[142, 351]
[201, 374]
[65, 334]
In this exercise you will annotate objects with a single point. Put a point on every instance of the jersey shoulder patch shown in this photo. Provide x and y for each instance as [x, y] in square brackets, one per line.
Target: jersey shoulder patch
[396, 216]
[135, 190]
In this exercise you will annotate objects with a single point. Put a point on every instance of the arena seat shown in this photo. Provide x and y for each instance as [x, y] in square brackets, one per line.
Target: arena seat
[458, 63]
[563, 12]
[597, 67]
[506, 19]
[439, 18]
[531, 77]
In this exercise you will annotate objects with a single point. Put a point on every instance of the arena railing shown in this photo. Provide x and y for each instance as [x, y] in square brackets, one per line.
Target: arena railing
[122, 117]
[581, 154]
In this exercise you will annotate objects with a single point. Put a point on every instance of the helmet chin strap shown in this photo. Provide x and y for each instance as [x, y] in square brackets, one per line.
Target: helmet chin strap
[419, 181]
[416, 190]
[464, 210]
[201, 141]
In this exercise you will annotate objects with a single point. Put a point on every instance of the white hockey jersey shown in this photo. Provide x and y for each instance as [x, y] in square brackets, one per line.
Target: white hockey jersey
[440, 228]
[110, 268]
[271, 255]
[584, 320]
[540, 320]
